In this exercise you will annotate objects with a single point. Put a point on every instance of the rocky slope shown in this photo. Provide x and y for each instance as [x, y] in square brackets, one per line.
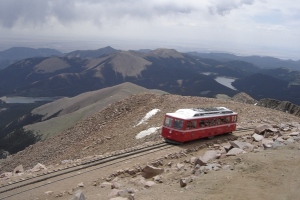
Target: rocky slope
[114, 128]
[284, 106]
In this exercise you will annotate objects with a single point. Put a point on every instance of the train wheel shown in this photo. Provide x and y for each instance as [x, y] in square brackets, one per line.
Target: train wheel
[211, 137]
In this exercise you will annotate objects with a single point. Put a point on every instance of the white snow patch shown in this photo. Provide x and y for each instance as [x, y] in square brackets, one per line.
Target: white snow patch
[148, 116]
[146, 132]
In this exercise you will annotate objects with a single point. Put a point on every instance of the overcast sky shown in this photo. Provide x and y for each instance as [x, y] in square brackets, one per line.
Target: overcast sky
[253, 27]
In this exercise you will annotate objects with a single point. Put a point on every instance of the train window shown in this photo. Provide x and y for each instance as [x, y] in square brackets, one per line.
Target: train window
[191, 124]
[168, 122]
[227, 119]
[213, 122]
[202, 124]
[234, 118]
[207, 122]
[178, 124]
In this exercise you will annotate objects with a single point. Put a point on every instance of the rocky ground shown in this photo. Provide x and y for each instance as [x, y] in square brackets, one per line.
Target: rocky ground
[263, 165]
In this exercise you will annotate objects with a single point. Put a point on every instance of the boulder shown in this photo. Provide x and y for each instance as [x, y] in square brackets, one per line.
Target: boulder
[260, 129]
[257, 137]
[235, 151]
[208, 156]
[150, 171]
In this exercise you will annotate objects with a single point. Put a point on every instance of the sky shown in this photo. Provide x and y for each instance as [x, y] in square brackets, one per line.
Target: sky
[242, 27]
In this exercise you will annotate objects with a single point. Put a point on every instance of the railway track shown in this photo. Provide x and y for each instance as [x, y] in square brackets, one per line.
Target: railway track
[69, 171]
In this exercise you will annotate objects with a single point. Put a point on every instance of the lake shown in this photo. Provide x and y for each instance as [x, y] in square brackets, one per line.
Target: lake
[226, 82]
[18, 99]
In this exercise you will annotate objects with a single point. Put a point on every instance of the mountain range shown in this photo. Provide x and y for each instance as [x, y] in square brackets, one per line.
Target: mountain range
[190, 74]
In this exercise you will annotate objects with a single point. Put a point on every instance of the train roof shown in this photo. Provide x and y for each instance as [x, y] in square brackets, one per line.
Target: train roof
[192, 113]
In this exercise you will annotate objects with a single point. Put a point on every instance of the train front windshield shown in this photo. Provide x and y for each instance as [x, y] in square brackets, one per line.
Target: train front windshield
[173, 123]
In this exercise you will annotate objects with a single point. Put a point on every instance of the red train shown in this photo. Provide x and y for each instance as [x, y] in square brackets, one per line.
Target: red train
[192, 124]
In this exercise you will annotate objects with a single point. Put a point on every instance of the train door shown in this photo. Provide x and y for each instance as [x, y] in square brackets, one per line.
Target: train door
[173, 129]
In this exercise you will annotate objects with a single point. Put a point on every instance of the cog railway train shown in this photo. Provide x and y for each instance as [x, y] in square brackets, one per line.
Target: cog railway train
[191, 124]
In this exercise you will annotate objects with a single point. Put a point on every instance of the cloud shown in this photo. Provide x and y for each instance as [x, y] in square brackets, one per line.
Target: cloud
[224, 7]
[35, 12]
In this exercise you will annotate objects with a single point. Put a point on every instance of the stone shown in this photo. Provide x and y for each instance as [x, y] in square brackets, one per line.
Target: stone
[151, 171]
[116, 185]
[266, 143]
[119, 198]
[294, 134]
[49, 192]
[193, 159]
[38, 167]
[290, 140]
[227, 147]
[208, 156]
[114, 193]
[182, 182]
[18, 169]
[80, 184]
[242, 145]
[260, 129]
[105, 184]
[277, 144]
[158, 179]
[179, 166]
[78, 195]
[228, 167]
[235, 151]
[257, 137]
[149, 184]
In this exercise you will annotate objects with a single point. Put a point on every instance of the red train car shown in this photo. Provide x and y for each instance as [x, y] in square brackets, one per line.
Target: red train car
[192, 124]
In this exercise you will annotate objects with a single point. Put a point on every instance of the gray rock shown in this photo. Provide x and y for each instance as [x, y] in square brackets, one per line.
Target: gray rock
[235, 151]
[179, 166]
[150, 171]
[257, 137]
[182, 182]
[78, 195]
[38, 167]
[266, 143]
[208, 156]
[80, 184]
[294, 134]
[260, 129]
[158, 179]
[149, 184]
[242, 145]
[277, 144]
[105, 184]
[116, 185]
[289, 141]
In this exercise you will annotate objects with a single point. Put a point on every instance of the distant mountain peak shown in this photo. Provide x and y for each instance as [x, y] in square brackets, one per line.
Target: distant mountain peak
[165, 53]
